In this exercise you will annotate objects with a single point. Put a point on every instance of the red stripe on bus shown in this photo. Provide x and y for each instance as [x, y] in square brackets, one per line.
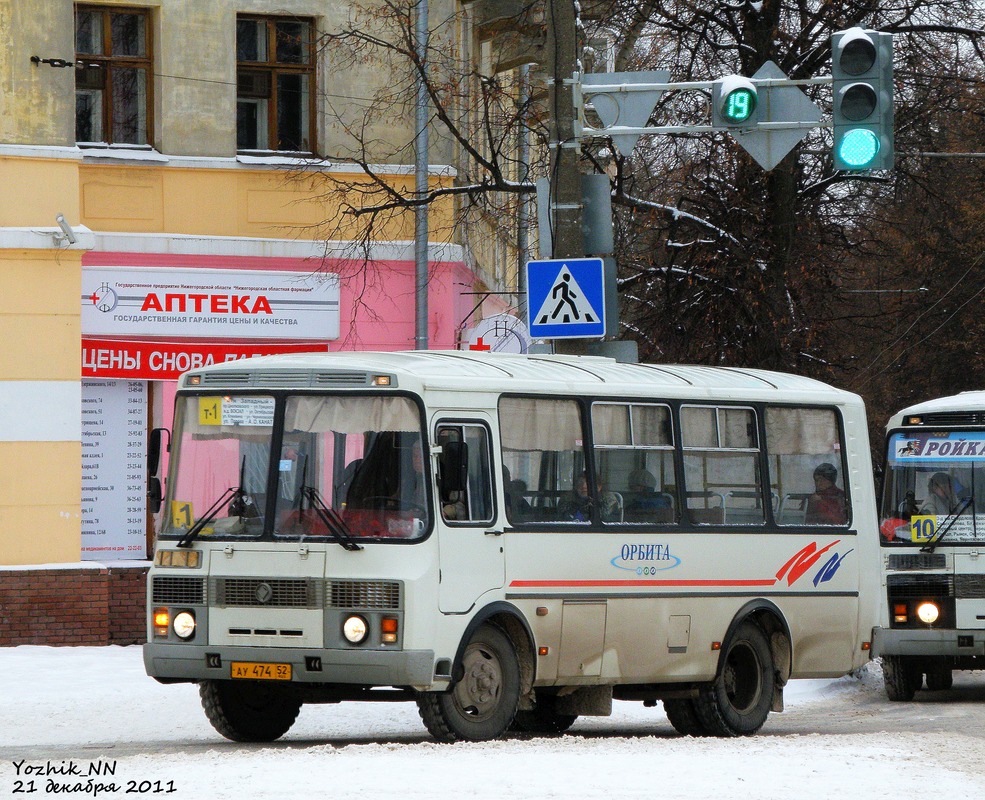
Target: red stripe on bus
[562, 584]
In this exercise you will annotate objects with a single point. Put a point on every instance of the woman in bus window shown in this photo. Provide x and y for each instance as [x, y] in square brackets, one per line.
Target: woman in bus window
[827, 505]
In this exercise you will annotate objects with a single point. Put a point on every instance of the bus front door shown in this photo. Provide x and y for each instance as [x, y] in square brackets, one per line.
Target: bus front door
[470, 544]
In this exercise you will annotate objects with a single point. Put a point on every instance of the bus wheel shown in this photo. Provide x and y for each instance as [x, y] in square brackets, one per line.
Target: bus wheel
[248, 712]
[684, 717]
[902, 677]
[482, 703]
[939, 678]
[739, 700]
[543, 718]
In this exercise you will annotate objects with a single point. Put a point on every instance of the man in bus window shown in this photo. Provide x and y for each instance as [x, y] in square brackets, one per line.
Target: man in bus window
[827, 505]
[941, 499]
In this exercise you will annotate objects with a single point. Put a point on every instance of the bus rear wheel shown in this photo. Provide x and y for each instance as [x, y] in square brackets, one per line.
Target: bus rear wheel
[902, 676]
[248, 711]
[738, 701]
[482, 703]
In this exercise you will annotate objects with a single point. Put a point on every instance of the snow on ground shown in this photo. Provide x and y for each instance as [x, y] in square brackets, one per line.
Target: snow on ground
[90, 707]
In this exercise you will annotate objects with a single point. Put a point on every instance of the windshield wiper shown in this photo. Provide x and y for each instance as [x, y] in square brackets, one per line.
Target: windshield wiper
[929, 547]
[234, 495]
[233, 492]
[332, 519]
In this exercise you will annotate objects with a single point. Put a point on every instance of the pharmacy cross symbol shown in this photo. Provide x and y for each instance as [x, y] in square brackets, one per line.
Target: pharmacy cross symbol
[566, 298]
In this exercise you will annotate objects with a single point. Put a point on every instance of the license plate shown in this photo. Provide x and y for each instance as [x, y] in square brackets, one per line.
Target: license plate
[255, 671]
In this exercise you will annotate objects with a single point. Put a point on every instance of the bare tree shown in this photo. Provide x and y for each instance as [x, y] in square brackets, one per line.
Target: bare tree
[720, 262]
[754, 272]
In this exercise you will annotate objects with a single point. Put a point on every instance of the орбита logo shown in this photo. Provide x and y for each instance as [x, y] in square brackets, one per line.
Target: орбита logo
[645, 559]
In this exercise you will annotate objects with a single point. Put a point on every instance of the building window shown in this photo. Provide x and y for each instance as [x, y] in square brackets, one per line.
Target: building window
[275, 72]
[113, 83]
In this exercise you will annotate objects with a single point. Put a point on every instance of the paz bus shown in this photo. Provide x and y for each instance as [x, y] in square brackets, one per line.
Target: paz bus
[933, 612]
[510, 541]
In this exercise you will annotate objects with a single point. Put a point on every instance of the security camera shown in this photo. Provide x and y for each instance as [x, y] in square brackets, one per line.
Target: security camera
[66, 228]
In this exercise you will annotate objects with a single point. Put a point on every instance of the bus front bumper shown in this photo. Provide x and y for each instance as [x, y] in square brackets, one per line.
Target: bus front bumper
[188, 662]
[925, 642]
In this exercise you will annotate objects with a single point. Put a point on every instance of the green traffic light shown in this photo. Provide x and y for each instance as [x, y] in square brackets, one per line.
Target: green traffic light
[858, 148]
[739, 105]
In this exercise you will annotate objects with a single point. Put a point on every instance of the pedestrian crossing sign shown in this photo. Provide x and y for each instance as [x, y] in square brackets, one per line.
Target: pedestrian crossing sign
[566, 298]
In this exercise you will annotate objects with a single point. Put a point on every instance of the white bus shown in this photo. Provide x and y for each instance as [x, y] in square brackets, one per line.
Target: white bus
[933, 611]
[511, 541]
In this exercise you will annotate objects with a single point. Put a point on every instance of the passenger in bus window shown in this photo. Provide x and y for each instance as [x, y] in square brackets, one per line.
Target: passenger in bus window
[826, 506]
[645, 496]
[518, 508]
[941, 499]
[578, 505]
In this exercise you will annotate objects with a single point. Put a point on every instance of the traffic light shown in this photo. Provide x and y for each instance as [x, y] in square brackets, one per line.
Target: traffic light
[862, 86]
[734, 103]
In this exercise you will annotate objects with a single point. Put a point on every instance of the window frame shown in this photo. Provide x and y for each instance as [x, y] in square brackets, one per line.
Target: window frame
[756, 452]
[636, 446]
[772, 466]
[273, 69]
[461, 423]
[110, 63]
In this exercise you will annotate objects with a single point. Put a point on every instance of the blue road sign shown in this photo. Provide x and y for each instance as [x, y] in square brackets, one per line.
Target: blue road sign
[566, 298]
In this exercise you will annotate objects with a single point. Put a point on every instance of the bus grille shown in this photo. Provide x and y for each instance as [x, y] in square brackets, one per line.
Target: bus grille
[972, 586]
[365, 594]
[904, 561]
[915, 586]
[947, 418]
[342, 378]
[298, 378]
[225, 378]
[267, 592]
[173, 591]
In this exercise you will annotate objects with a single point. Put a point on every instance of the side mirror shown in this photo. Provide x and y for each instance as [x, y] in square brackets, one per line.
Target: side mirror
[154, 495]
[454, 467]
[154, 449]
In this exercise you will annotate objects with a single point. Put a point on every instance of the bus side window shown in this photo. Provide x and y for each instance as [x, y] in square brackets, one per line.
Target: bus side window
[806, 466]
[471, 503]
[543, 451]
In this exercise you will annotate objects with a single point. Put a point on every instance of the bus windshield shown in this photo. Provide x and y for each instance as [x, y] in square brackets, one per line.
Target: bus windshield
[331, 467]
[934, 488]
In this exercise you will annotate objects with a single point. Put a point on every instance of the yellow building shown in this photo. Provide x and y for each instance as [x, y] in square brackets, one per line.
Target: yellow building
[166, 168]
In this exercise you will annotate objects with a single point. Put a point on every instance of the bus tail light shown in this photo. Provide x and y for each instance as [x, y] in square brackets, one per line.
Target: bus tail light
[389, 628]
[162, 621]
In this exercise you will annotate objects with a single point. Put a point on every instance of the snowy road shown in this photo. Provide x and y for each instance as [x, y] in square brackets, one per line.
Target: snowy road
[85, 710]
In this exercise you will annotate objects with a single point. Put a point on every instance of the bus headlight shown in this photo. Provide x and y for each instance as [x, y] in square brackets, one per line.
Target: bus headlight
[355, 629]
[928, 613]
[184, 624]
